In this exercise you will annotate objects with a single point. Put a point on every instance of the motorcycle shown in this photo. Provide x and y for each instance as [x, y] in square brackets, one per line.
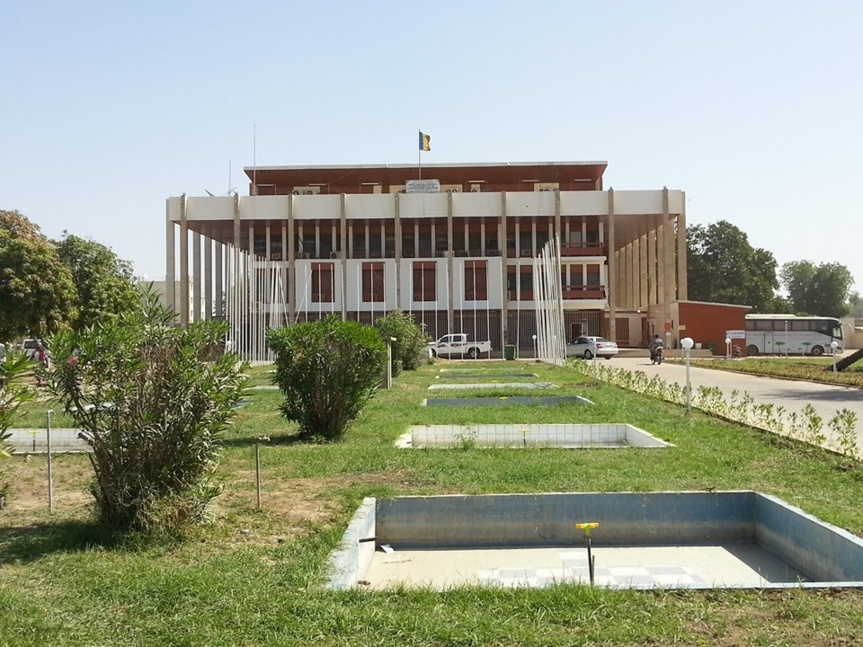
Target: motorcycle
[656, 356]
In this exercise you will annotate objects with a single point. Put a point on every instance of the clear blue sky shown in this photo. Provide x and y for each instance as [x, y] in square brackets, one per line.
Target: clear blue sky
[755, 109]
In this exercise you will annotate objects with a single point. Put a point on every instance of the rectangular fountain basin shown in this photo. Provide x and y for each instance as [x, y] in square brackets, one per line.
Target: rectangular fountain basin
[489, 401]
[734, 539]
[493, 385]
[567, 436]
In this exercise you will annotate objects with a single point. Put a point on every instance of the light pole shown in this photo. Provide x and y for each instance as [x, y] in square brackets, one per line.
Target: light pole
[687, 344]
[727, 348]
[833, 346]
[786, 339]
[535, 353]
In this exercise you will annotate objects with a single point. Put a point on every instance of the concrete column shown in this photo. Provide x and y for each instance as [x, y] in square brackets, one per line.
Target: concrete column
[504, 255]
[184, 263]
[196, 276]
[433, 240]
[682, 248]
[253, 282]
[283, 271]
[612, 271]
[170, 287]
[668, 265]
[343, 216]
[219, 303]
[652, 292]
[642, 271]
[235, 253]
[557, 232]
[398, 241]
[660, 271]
[450, 317]
[482, 237]
[290, 250]
[208, 278]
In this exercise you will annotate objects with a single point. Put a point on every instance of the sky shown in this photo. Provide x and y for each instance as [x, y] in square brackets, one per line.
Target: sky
[755, 109]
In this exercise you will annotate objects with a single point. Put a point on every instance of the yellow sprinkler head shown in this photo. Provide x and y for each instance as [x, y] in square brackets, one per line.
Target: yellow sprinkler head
[504, 397]
[587, 527]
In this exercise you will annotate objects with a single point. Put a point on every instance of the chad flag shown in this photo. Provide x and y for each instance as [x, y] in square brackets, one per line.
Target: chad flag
[425, 142]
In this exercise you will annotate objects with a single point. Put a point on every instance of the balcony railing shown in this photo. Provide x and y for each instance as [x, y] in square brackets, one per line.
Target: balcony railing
[582, 249]
[583, 291]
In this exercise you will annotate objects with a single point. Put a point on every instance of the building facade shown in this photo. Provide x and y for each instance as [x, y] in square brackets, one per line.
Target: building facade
[456, 250]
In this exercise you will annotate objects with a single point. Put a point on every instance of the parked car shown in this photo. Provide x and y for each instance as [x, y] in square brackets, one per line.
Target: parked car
[590, 347]
[458, 345]
[28, 347]
[605, 347]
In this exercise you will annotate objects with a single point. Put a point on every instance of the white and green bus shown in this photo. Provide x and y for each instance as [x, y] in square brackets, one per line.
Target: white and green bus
[791, 335]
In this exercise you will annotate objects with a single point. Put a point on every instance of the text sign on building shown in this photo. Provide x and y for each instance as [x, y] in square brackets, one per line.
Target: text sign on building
[422, 186]
[735, 334]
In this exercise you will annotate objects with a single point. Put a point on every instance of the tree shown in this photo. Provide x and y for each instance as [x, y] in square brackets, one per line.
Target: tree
[724, 268]
[821, 290]
[855, 303]
[153, 402]
[327, 371]
[104, 282]
[37, 295]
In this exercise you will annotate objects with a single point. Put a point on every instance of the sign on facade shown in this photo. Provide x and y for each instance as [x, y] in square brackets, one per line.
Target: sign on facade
[735, 334]
[422, 186]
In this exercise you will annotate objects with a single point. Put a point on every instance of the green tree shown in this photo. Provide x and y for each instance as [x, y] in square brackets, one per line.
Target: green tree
[821, 290]
[855, 305]
[327, 371]
[104, 282]
[37, 295]
[153, 402]
[724, 268]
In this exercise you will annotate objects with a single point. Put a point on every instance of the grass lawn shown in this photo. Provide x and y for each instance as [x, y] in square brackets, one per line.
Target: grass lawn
[792, 368]
[254, 577]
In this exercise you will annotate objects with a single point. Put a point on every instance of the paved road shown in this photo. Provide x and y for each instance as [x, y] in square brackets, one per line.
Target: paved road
[792, 394]
[35, 441]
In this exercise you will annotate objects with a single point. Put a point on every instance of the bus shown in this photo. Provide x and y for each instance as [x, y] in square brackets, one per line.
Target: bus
[792, 335]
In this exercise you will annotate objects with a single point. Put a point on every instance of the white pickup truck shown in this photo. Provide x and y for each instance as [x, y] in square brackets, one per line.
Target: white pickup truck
[458, 345]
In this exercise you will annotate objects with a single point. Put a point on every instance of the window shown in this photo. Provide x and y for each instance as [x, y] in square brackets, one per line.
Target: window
[323, 283]
[763, 324]
[373, 282]
[797, 326]
[593, 275]
[475, 281]
[425, 288]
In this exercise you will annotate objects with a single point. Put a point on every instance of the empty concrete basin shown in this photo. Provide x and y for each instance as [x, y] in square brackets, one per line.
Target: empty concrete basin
[737, 539]
[527, 400]
[493, 385]
[569, 436]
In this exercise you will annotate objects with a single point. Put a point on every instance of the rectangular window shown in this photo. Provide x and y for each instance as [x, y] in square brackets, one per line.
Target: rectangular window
[323, 283]
[593, 275]
[425, 288]
[475, 280]
[373, 282]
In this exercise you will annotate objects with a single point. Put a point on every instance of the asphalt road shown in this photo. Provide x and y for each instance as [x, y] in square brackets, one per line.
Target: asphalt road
[794, 395]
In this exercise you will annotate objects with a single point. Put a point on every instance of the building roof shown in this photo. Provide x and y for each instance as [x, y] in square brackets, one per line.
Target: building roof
[569, 175]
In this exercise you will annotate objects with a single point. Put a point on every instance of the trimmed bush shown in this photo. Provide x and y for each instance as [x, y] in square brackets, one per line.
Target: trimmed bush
[409, 349]
[153, 403]
[327, 371]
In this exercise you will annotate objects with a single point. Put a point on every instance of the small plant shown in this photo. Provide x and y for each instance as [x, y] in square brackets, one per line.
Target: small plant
[812, 426]
[327, 371]
[843, 424]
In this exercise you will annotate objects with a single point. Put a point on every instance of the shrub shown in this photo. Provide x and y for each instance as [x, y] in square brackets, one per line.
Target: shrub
[327, 371]
[153, 404]
[13, 368]
[409, 349]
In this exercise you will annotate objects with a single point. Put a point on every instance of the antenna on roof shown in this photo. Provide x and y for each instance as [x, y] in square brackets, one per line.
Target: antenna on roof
[254, 159]
[209, 194]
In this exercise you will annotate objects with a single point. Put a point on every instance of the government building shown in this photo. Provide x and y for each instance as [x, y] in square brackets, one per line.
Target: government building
[453, 244]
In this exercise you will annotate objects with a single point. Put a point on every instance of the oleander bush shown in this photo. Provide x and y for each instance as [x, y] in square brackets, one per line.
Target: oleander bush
[409, 349]
[13, 393]
[153, 402]
[327, 371]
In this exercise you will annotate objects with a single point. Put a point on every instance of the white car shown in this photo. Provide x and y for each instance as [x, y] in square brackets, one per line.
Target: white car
[590, 347]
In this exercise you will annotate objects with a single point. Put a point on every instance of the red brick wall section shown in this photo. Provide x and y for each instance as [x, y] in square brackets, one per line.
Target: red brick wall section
[707, 322]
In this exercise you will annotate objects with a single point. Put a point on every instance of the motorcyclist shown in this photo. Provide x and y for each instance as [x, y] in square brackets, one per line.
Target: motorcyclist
[655, 347]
